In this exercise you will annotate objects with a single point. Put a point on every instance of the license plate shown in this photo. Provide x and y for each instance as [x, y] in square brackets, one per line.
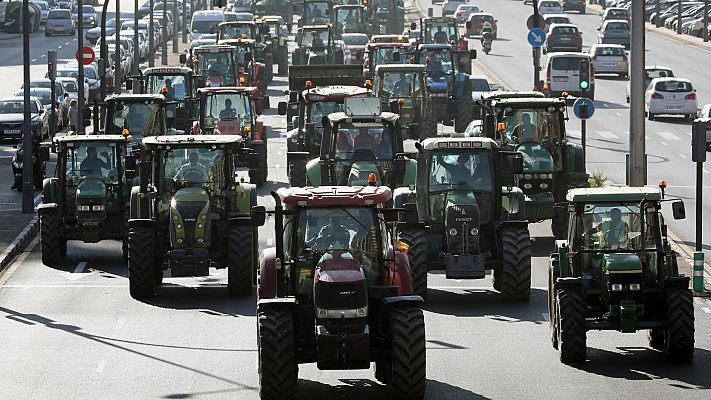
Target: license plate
[610, 64]
[565, 39]
[11, 131]
[673, 108]
[560, 79]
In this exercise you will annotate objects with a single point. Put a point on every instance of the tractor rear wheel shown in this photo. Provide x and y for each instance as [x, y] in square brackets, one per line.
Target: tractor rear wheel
[240, 265]
[417, 255]
[572, 332]
[278, 370]
[141, 271]
[51, 239]
[297, 173]
[679, 334]
[258, 175]
[465, 109]
[407, 364]
[516, 266]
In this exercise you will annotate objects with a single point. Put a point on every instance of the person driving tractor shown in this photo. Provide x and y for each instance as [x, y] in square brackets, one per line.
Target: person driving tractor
[615, 232]
[332, 235]
[168, 90]
[193, 170]
[92, 165]
[228, 112]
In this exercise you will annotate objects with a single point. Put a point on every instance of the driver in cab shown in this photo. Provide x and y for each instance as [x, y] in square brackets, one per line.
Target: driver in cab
[92, 165]
[193, 171]
[615, 232]
[228, 112]
[332, 235]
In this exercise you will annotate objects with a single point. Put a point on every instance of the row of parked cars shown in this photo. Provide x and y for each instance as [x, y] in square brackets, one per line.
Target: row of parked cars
[666, 12]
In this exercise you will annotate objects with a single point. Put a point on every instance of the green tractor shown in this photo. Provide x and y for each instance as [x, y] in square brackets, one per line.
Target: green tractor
[315, 45]
[216, 63]
[401, 87]
[351, 19]
[360, 146]
[278, 41]
[535, 127]
[473, 217]
[142, 115]
[616, 271]
[248, 36]
[87, 199]
[316, 12]
[190, 213]
[445, 30]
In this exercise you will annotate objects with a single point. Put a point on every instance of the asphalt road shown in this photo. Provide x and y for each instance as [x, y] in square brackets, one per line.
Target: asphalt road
[74, 332]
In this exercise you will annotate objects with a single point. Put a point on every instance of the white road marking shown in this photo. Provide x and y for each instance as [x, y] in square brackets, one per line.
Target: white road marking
[34, 59]
[619, 114]
[605, 105]
[44, 55]
[102, 364]
[270, 242]
[607, 135]
[80, 267]
[682, 156]
[545, 316]
[59, 47]
[663, 143]
[668, 136]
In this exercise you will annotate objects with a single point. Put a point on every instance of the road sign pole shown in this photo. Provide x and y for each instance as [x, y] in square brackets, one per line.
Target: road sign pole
[151, 39]
[637, 168]
[536, 54]
[657, 11]
[80, 62]
[136, 48]
[679, 11]
[583, 138]
[183, 30]
[52, 69]
[164, 42]
[706, 20]
[176, 26]
[27, 165]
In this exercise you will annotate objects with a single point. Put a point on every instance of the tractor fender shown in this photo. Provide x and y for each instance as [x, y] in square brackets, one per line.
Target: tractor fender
[49, 190]
[410, 178]
[516, 204]
[278, 302]
[388, 303]
[568, 283]
[267, 288]
[402, 277]
[676, 282]
[45, 208]
[402, 196]
[261, 133]
[246, 198]
[140, 222]
[242, 220]
[574, 158]
[503, 225]
[138, 207]
[313, 173]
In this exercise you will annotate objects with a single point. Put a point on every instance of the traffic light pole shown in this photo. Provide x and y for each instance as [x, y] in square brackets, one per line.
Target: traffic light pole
[28, 204]
[698, 155]
[536, 52]
[80, 128]
[637, 170]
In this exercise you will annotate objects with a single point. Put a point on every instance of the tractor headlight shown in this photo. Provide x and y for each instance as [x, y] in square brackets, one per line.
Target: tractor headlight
[474, 231]
[179, 240]
[550, 176]
[543, 185]
[200, 226]
[100, 207]
[349, 313]
[200, 240]
[527, 176]
[452, 232]
[616, 287]
[527, 186]
[83, 208]
[635, 286]
[179, 226]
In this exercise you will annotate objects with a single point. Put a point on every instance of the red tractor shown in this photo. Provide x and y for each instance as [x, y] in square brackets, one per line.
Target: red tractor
[336, 290]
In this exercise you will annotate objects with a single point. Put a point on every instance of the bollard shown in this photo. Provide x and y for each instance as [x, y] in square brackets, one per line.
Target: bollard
[698, 271]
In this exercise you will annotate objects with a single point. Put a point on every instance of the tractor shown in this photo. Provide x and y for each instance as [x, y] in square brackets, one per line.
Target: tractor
[316, 12]
[381, 53]
[190, 213]
[140, 114]
[336, 291]
[535, 127]
[176, 84]
[234, 111]
[359, 144]
[350, 19]
[278, 42]
[247, 35]
[448, 84]
[281, 8]
[402, 91]
[473, 218]
[315, 45]
[216, 63]
[87, 199]
[616, 271]
[444, 30]
[250, 72]
[388, 16]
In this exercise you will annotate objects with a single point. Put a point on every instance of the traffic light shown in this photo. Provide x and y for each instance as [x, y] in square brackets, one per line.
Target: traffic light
[584, 76]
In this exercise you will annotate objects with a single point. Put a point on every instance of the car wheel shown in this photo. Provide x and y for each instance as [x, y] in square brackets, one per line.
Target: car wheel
[650, 116]
[46, 34]
[627, 98]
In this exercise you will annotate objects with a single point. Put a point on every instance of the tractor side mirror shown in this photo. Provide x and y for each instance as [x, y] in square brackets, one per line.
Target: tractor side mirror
[559, 214]
[517, 164]
[411, 216]
[468, 24]
[430, 12]
[293, 96]
[678, 210]
[130, 163]
[183, 58]
[259, 215]
[396, 57]
[86, 117]
[282, 107]
[44, 153]
[129, 84]
[472, 54]
[413, 26]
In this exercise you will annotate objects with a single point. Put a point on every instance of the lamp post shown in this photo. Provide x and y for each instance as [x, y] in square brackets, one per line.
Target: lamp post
[27, 187]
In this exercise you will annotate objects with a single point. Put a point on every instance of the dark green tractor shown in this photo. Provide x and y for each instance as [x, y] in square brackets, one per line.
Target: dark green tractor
[190, 213]
[616, 271]
[87, 199]
[401, 87]
[535, 127]
[315, 45]
[178, 85]
[473, 218]
[142, 115]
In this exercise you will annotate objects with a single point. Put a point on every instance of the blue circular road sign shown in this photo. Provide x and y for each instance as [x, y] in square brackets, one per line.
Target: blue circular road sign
[536, 37]
[589, 103]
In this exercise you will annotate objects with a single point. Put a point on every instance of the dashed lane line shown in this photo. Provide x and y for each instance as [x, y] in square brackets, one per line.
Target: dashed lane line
[607, 135]
[668, 136]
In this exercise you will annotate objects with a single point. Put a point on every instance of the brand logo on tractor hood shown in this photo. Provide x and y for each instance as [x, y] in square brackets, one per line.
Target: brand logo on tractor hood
[189, 219]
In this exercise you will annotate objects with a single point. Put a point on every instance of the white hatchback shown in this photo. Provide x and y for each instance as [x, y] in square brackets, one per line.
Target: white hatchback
[550, 7]
[671, 96]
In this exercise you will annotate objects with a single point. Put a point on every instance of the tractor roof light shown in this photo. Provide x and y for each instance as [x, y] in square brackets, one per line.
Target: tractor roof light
[663, 184]
[368, 83]
[372, 179]
[309, 84]
[125, 132]
[401, 101]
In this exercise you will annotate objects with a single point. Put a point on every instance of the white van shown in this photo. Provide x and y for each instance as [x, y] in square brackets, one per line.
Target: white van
[563, 74]
[205, 21]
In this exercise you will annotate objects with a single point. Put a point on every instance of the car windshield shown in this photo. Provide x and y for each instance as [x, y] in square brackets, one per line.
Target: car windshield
[480, 85]
[530, 125]
[362, 141]
[236, 31]
[617, 13]
[617, 26]
[59, 14]
[673, 86]
[111, 23]
[71, 86]
[609, 51]
[437, 60]
[355, 40]
[174, 85]
[141, 118]
[228, 112]
[557, 20]
[94, 159]
[88, 10]
[440, 32]
[45, 97]
[616, 226]
[15, 106]
[191, 167]
[67, 73]
[658, 73]
[398, 84]
[204, 26]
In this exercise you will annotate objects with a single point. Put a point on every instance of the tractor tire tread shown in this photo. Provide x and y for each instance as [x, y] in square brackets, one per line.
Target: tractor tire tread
[516, 266]
[408, 354]
[240, 263]
[572, 331]
[278, 370]
[141, 271]
[50, 239]
[679, 336]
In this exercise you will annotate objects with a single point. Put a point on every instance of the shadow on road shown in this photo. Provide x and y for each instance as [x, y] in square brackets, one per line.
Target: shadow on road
[359, 389]
[487, 303]
[211, 300]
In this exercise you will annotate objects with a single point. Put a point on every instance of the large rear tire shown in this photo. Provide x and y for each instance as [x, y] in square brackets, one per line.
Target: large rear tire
[408, 355]
[297, 173]
[656, 338]
[258, 176]
[417, 255]
[465, 111]
[51, 239]
[679, 334]
[572, 332]
[553, 274]
[516, 266]
[142, 281]
[240, 263]
[278, 370]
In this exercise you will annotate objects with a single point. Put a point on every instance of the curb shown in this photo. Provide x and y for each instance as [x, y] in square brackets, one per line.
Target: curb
[20, 242]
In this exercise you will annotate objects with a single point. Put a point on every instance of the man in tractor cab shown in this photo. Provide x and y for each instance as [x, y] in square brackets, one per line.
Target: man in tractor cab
[316, 42]
[136, 118]
[524, 132]
[332, 235]
[401, 88]
[193, 170]
[364, 140]
[440, 36]
[615, 232]
[228, 112]
[214, 78]
[459, 174]
[92, 164]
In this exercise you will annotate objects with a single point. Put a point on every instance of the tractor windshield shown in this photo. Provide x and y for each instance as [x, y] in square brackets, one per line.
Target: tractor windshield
[440, 32]
[359, 141]
[173, 87]
[384, 55]
[316, 13]
[141, 118]
[536, 134]
[349, 19]
[218, 66]
[398, 84]
[230, 113]
[192, 167]
[92, 159]
[617, 226]
[237, 31]
[438, 61]
[314, 39]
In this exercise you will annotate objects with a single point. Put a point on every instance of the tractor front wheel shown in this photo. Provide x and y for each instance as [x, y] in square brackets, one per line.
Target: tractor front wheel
[417, 255]
[50, 239]
[278, 370]
[240, 265]
[572, 332]
[679, 334]
[141, 271]
[407, 376]
[516, 266]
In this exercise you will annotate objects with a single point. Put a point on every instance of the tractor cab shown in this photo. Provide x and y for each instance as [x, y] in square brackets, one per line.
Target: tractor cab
[237, 30]
[402, 91]
[217, 64]
[315, 45]
[439, 30]
[87, 198]
[139, 115]
[178, 85]
[250, 72]
[350, 19]
[358, 142]
[385, 53]
[316, 12]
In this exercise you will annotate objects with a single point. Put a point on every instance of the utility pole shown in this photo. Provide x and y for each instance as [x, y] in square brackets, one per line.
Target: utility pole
[678, 18]
[28, 204]
[706, 20]
[536, 51]
[103, 60]
[176, 26]
[698, 155]
[52, 69]
[136, 48]
[164, 42]
[81, 129]
[637, 168]
[185, 21]
[117, 68]
[657, 10]
[151, 39]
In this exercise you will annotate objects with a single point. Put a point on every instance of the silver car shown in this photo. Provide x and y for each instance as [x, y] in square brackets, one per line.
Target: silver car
[610, 59]
[60, 21]
[91, 18]
[44, 10]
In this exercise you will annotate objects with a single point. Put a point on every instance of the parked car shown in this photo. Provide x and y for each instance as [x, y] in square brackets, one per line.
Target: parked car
[72, 88]
[91, 78]
[574, 5]
[12, 117]
[563, 37]
[550, 7]
[44, 95]
[616, 13]
[615, 31]
[476, 22]
[91, 18]
[651, 72]
[671, 96]
[463, 11]
[59, 21]
[44, 10]
[480, 86]
[610, 59]
[63, 110]
[705, 116]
